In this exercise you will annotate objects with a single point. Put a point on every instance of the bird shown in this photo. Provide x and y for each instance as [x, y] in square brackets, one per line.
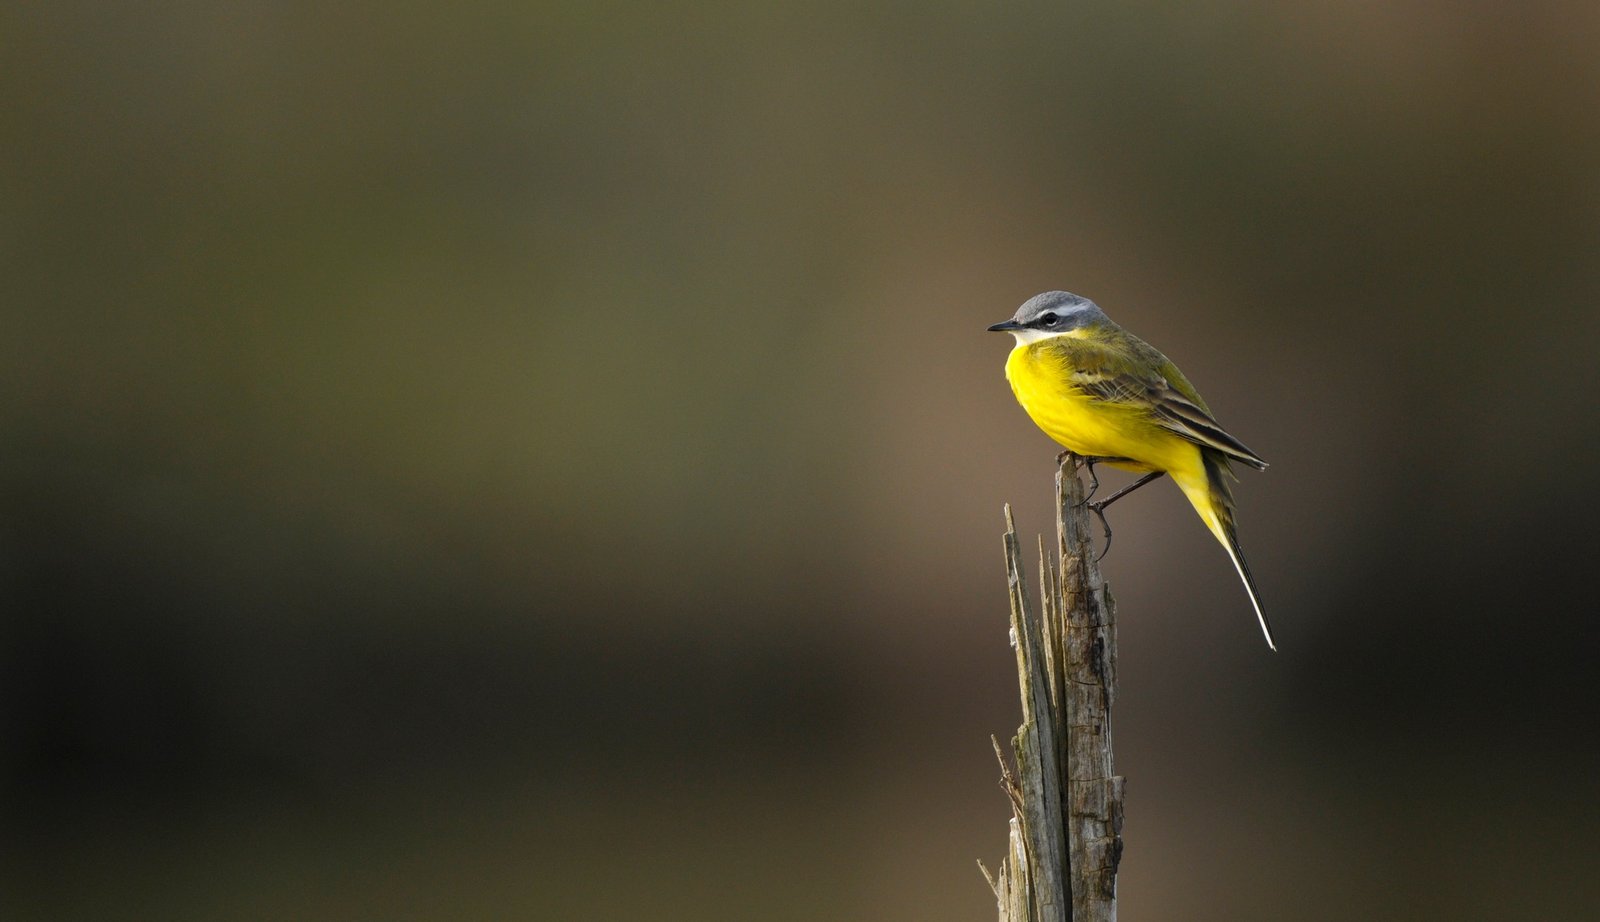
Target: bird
[1110, 397]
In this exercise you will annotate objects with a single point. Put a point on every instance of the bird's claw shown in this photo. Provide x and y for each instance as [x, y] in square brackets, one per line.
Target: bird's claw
[1099, 509]
[1087, 462]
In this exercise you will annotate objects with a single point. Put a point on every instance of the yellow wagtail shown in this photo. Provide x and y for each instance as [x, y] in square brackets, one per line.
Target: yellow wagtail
[1110, 397]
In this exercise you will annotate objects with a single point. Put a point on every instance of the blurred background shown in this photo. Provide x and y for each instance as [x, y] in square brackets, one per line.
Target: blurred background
[544, 461]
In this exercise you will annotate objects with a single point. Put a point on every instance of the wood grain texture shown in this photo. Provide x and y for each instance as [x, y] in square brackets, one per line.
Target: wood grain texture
[1065, 835]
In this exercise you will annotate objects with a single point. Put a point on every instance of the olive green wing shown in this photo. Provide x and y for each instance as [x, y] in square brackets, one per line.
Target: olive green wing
[1128, 372]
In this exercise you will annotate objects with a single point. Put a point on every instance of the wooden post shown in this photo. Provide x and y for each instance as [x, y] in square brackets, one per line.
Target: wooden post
[1066, 826]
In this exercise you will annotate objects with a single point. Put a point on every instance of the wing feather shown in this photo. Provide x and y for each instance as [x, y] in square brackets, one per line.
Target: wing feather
[1140, 377]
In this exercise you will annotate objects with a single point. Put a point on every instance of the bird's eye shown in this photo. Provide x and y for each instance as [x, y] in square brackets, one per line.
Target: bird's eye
[1049, 320]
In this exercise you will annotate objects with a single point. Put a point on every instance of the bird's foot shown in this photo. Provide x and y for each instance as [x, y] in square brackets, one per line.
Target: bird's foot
[1094, 479]
[1099, 509]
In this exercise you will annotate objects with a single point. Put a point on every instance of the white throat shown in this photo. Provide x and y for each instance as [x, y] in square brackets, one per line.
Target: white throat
[1029, 337]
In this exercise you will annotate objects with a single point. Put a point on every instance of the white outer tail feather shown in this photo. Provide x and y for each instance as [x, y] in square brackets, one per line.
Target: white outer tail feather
[1244, 576]
[1211, 511]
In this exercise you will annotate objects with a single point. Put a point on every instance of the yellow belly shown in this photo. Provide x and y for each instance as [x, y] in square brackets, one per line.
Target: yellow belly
[1093, 427]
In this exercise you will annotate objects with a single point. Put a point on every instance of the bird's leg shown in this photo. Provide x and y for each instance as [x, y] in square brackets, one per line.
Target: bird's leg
[1099, 508]
[1096, 509]
[1094, 479]
[1127, 489]
[1086, 461]
[1089, 461]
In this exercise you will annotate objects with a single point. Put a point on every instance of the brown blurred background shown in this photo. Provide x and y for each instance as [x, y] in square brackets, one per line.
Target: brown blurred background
[522, 461]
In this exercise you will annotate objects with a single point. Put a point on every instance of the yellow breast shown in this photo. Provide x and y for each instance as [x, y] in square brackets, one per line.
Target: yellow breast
[1086, 426]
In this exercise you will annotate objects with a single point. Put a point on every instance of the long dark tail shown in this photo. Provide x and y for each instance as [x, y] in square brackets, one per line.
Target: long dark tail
[1218, 475]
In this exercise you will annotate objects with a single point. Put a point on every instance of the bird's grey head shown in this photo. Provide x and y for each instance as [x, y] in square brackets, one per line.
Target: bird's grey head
[1051, 314]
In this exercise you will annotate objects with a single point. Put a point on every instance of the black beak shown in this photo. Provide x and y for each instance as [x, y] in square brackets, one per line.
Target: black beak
[1005, 326]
